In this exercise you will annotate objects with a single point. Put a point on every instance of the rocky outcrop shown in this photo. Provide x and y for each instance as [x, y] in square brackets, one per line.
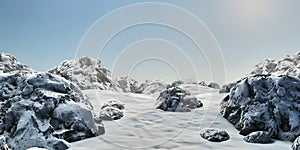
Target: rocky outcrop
[214, 135]
[112, 110]
[151, 86]
[258, 137]
[296, 144]
[214, 85]
[10, 64]
[265, 103]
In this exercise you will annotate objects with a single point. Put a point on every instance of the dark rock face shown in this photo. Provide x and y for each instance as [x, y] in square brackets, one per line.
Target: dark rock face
[177, 99]
[112, 110]
[214, 85]
[296, 144]
[258, 137]
[44, 110]
[265, 103]
[214, 135]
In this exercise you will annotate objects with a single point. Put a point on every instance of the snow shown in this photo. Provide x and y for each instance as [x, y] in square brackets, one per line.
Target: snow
[144, 127]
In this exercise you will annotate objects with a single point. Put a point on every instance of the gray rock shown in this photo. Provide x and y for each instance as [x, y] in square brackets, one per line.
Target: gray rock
[214, 135]
[202, 83]
[214, 85]
[27, 90]
[114, 103]
[111, 113]
[57, 144]
[3, 145]
[258, 137]
[296, 144]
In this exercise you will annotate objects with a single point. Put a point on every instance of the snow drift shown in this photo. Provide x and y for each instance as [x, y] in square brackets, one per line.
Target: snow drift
[44, 110]
[86, 72]
[265, 103]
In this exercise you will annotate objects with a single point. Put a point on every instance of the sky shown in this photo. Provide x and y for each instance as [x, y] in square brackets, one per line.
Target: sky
[236, 33]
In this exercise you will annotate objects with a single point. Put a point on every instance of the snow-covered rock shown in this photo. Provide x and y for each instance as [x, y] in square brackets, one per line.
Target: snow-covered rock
[258, 137]
[288, 65]
[86, 72]
[214, 85]
[9, 64]
[228, 86]
[296, 144]
[44, 110]
[265, 103]
[177, 99]
[150, 87]
[127, 84]
[214, 135]
[3, 145]
[202, 83]
[112, 110]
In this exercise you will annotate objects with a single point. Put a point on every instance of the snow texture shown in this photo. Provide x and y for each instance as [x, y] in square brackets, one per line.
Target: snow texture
[296, 144]
[288, 65]
[214, 135]
[86, 72]
[9, 64]
[258, 137]
[265, 103]
[176, 99]
[43, 110]
[112, 110]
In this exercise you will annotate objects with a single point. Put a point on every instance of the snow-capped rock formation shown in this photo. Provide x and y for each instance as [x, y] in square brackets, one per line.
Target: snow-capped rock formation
[202, 83]
[44, 110]
[258, 137]
[214, 85]
[127, 84]
[150, 87]
[288, 65]
[86, 72]
[265, 103]
[112, 110]
[176, 99]
[9, 64]
[214, 135]
[296, 144]
[228, 86]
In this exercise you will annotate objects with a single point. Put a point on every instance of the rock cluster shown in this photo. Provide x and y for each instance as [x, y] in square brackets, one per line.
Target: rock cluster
[177, 99]
[265, 103]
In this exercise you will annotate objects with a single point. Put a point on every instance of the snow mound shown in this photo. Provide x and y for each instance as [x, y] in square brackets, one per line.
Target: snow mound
[265, 103]
[258, 137]
[214, 85]
[214, 135]
[150, 87]
[296, 144]
[9, 64]
[288, 65]
[44, 110]
[86, 72]
[112, 110]
[127, 84]
[176, 99]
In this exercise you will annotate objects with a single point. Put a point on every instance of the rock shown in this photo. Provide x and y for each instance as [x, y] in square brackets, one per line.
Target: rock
[3, 145]
[214, 135]
[37, 107]
[177, 99]
[265, 103]
[111, 113]
[114, 103]
[258, 137]
[227, 87]
[214, 85]
[127, 84]
[10, 64]
[202, 83]
[150, 87]
[296, 144]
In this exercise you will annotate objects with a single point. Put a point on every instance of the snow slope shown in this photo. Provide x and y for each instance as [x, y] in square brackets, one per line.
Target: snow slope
[144, 127]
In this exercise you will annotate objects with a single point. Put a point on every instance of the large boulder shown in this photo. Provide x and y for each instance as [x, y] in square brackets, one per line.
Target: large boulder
[44, 110]
[265, 103]
[258, 137]
[112, 110]
[214, 135]
[214, 85]
[177, 99]
[86, 72]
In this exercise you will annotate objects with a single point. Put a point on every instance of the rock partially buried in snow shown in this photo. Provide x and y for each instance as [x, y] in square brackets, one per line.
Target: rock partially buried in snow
[44, 110]
[3, 145]
[214, 85]
[114, 103]
[177, 99]
[215, 135]
[296, 144]
[265, 103]
[112, 110]
[258, 137]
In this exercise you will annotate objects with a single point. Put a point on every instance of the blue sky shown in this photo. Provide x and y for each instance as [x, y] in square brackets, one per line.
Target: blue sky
[42, 34]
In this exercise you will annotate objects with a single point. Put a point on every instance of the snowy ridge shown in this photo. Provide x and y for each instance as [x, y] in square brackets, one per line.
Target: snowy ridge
[288, 65]
[86, 72]
[152, 86]
[10, 64]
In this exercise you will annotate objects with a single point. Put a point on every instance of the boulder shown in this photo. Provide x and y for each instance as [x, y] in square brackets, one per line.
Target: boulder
[258, 137]
[214, 135]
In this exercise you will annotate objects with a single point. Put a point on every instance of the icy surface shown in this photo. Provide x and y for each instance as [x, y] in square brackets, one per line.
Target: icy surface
[214, 135]
[9, 64]
[86, 72]
[177, 99]
[288, 65]
[265, 103]
[44, 110]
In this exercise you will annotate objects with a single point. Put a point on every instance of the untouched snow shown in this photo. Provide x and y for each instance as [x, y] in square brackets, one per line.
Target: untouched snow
[144, 127]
